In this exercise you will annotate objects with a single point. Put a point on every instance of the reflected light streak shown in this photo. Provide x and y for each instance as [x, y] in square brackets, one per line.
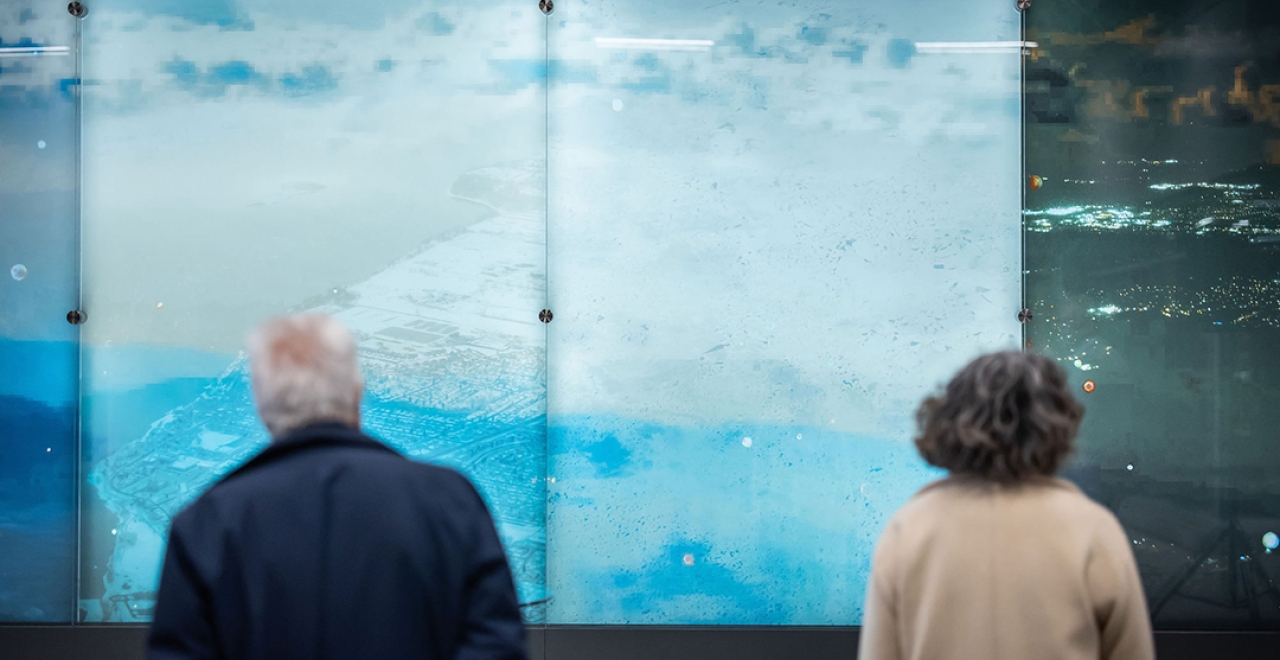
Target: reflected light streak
[974, 46]
[1209, 186]
[34, 51]
[618, 43]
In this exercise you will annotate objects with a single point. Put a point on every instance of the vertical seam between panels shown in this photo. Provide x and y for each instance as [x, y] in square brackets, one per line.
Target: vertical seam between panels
[78, 454]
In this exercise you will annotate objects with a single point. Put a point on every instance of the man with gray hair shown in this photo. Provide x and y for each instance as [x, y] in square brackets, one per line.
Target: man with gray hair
[329, 544]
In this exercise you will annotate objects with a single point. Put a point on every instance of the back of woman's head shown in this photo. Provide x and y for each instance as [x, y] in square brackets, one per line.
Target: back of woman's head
[1005, 417]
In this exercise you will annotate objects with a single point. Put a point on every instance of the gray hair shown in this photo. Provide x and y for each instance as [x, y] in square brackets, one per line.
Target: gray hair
[304, 371]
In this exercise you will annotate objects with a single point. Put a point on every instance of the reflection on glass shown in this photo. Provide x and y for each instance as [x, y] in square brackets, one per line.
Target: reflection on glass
[1153, 266]
[773, 228]
[382, 162]
[38, 87]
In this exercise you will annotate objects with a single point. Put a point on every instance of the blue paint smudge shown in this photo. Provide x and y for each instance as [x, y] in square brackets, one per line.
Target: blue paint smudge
[756, 554]
[609, 456]
[185, 72]
[234, 72]
[521, 73]
[222, 13]
[900, 53]
[854, 54]
[647, 61]
[651, 84]
[313, 79]
[435, 24]
[745, 40]
[214, 81]
[23, 42]
[814, 35]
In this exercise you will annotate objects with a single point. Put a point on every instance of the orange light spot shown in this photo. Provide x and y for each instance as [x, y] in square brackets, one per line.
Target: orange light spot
[1090, 386]
[1037, 181]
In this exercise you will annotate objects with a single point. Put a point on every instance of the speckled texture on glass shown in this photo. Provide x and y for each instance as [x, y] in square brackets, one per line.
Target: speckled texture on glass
[38, 88]
[379, 161]
[773, 229]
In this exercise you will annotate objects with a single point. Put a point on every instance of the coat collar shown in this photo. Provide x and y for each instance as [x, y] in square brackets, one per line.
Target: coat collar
[974, 481]
[326, 432]
[323, 434]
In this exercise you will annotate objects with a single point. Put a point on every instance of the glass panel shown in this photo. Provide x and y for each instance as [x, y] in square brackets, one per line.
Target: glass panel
[39, 362]
[1152, 233]
[773, 229]
[380, 161]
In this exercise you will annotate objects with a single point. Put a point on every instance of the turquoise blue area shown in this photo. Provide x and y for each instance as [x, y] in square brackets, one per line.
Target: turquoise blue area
[41, 371]
[518, 74]
[214, 80]
[737, 523]
[223, 13]
[37, 481]
[433, 23]
[153, 444]
[780, 532]
[39, 368]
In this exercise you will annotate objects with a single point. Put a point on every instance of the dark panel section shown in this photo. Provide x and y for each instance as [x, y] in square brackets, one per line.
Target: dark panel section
[112, 642]
[776, 643]
[710, 643]
[1152, 244]
[72, 642]
[1217, 645]
[537, 643]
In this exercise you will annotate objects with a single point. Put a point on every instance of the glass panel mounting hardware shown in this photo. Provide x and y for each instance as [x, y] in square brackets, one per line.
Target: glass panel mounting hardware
[77, 9]
[1025, 316]
[76, 317]
[545, 316]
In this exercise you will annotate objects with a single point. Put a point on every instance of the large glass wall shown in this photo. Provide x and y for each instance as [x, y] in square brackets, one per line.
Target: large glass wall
[762, 233]
[1153, 221]
[38, 356]
[773, 229]
[378, 161]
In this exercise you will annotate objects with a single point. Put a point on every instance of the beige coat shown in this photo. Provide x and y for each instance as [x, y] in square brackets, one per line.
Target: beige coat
[969, 570]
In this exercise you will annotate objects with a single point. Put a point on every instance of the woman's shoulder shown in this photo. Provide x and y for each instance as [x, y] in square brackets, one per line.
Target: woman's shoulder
[953, 492]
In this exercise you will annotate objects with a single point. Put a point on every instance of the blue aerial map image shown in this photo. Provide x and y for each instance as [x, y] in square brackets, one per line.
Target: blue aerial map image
[765, 232]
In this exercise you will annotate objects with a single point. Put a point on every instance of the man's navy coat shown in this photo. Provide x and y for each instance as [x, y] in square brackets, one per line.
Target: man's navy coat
[330, 545]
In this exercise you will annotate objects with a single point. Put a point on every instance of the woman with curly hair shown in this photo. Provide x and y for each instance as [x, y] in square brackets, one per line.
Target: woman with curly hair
[1001, 559]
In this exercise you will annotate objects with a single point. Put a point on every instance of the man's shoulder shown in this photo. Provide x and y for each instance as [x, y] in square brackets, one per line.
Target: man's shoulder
[359, 456]
[362, 457]
[271, 476]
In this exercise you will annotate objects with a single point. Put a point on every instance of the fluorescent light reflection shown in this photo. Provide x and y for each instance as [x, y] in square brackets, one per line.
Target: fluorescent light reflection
[974, 46]
[618, 43]
[34, 51]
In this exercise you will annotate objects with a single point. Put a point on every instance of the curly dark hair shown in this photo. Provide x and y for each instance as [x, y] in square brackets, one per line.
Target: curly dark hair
[1005, 417]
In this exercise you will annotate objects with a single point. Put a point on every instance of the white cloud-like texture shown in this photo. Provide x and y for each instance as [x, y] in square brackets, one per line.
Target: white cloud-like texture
[790, 235]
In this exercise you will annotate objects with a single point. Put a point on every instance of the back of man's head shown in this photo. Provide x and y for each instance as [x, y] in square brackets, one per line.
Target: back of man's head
[304, 372]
